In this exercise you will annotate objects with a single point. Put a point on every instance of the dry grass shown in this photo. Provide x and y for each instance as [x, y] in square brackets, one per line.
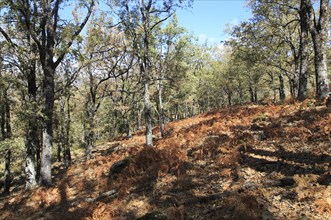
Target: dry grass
[248, 162]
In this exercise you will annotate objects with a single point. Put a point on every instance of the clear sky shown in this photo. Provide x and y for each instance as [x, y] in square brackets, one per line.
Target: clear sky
[208, 18]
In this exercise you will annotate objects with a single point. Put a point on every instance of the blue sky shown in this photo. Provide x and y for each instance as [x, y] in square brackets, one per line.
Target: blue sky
[208, 18]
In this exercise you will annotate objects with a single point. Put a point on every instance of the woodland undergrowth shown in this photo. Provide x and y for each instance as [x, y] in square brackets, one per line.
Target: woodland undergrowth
[243, 162]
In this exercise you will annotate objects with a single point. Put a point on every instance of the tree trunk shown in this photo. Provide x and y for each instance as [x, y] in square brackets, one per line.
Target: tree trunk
[7, 111]
[91, 109]
[46, 157]
[148, 115]
[58, 126]
[59, 151]
[38, 154]
[139, 116]
[32, 144]
[7, 176]
[32, 141]
[62, 128]
[229, 95]
[147, 100]
[290, 82]
[281, 88]
[241, 94]
[251, 92]
[303, 51]
[145, 68]
[273, 86]
[66, 152]
[126, 123]
[294, 81]
[3, 119]
[90, 135]
[176, 112]
[319, 32]
[161, 110]
[255, 94]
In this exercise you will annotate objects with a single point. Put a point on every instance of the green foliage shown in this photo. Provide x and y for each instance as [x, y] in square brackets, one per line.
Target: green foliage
[101, 77]
[17, 147]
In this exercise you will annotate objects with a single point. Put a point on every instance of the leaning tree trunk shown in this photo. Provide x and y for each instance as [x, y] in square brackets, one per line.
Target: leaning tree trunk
[303, 51]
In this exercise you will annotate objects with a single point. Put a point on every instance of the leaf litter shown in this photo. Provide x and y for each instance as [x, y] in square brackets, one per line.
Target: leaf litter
[243, 162]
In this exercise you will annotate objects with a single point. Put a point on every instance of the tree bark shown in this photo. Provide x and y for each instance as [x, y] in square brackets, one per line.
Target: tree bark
[139, 116]
[294, 78]
[32, 141]
[61, 135]
[46, 157]
[148, 115]
[66, 152]
[145, 68]
[90, 137]
[161, 110]
[282, 95]
[46, 16]
[38, 154]
[7, 113]
[3, 119]
[229, 96]
[7, 176]
[91, 109]
[255, 94]
[319, 32]
[303, 51]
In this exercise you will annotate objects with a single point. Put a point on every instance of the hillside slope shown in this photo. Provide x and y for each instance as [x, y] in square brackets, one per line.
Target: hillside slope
[248, 162]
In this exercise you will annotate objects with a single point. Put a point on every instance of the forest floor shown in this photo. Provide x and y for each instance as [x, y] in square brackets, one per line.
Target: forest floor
[245, 162]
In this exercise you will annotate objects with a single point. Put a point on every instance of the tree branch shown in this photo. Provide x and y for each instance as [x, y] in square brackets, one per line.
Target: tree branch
[3, 32]
[160, 21]
[77, 32]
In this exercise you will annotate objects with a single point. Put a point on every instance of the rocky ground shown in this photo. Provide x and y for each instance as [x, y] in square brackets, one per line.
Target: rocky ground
[248, 162]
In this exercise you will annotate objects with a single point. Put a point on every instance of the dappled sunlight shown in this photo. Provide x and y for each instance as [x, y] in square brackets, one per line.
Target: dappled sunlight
[250, 162]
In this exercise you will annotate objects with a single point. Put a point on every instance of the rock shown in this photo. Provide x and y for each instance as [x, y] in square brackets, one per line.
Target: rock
[286, 181]
[111, 193]
[256, 127]
[271, 183]
[118, 167]
[251, 186]
[325, 179]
